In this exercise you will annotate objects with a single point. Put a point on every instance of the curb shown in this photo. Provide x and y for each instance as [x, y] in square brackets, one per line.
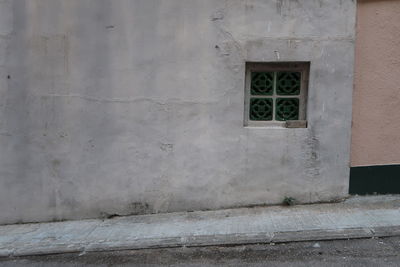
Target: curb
[210, 240]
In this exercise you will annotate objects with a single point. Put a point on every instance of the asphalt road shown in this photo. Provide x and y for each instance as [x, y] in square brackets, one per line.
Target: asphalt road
[361, 252]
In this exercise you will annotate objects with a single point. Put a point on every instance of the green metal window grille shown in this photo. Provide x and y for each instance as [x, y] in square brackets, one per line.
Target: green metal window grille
[287, 109]
[261, 109]
[262, 83]
[275, 96]
[288, 83]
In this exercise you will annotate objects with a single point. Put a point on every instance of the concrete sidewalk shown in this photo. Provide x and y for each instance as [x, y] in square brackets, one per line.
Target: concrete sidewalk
[358, 217]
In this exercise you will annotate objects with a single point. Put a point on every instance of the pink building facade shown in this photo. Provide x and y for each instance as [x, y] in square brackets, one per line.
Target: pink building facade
[375, 149]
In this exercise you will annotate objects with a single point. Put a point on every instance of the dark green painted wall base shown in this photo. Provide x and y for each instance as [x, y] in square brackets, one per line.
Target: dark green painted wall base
[375, 179]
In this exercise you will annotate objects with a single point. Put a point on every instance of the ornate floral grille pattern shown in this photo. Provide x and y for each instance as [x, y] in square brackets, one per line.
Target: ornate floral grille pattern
[287, 109]
[275, 96]
[288, 83]
[261, 109]
[262, 83]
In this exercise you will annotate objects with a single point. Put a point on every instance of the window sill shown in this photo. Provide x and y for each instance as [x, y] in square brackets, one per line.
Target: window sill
[277, 124]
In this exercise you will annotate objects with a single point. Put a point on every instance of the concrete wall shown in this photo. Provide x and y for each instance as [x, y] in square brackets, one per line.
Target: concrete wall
[376, 116]
[136, 106]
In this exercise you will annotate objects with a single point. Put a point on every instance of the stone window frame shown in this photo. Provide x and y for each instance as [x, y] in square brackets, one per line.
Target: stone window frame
[303, 68]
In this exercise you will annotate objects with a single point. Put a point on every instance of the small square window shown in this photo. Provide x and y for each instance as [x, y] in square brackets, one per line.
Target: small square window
[276, 94]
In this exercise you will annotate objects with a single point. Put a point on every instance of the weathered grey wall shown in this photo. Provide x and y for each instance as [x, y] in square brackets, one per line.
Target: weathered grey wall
[134, 106]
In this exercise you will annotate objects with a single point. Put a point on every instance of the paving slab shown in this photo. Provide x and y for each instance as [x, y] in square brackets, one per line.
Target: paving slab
[357, 217]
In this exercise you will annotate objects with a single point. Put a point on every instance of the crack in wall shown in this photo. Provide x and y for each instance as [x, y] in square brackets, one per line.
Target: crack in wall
[130, 100]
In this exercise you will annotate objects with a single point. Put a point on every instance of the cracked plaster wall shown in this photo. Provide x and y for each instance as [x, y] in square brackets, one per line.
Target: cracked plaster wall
[136, 106]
